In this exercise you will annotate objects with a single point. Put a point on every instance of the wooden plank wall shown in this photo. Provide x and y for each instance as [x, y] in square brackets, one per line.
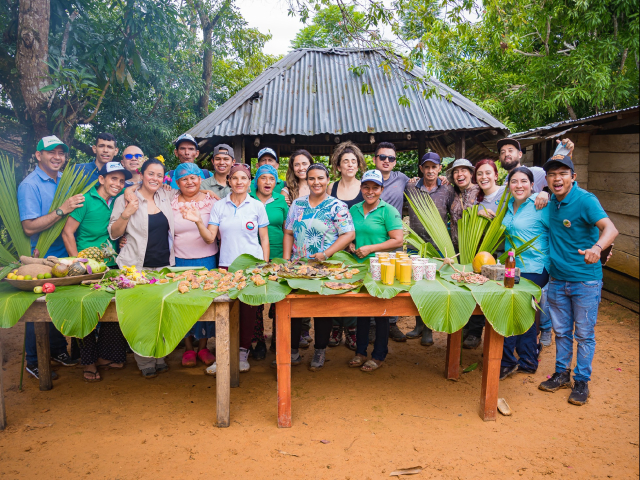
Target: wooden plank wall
[613, 163]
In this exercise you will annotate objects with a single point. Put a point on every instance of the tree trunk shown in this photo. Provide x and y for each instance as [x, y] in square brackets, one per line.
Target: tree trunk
[207, 63]
[32, 52]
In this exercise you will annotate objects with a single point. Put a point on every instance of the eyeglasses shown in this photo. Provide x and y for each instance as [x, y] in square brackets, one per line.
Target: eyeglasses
[131, 156]
[386, 157]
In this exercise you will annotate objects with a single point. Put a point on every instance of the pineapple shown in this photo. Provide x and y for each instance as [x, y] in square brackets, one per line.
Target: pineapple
[98, 254]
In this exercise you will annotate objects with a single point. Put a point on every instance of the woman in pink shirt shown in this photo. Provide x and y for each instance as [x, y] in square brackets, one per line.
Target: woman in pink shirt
[192, 251]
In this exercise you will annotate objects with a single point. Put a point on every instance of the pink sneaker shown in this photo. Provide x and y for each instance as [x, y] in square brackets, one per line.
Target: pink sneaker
[189, 359]
[206, 357]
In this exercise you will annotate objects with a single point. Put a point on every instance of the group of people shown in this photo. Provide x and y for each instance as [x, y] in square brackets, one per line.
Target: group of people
[207, 218]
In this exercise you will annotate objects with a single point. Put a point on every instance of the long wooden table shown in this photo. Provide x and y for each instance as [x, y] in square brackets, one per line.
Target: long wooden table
[354, 305]
[223, 311]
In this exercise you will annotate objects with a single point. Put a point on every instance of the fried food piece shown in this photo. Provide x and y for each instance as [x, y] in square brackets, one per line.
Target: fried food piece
[338, 277]
[208, 286]
[170, 275]
[222, 270]
[164, 280]
[339, 286]
[258, 280]
[347, 275]
[195, 285]
[355, 271]
[273, 277]
[255, 270]
[183, 287]
[241, 285]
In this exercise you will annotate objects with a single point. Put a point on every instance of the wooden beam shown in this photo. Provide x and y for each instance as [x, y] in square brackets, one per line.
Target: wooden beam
[580, 156]
[628, 143]
[623, 285]
[239, 150]
[612, 297]
[626, 224]
[44, 356]
[3, 412]
[422, 145]
[624, 203]
[223, 386]
[624, 263]
[614, 182]
[626, 244]
[491, 357]
[461, 148]
[614, 162]
[454, 349]
[283, 361]
[234, 344]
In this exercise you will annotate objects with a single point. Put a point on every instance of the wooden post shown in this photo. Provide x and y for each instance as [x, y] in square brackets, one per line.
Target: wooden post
[422, 146]
[3, 412]
[44, 355]
[461, 146]
[454, 349]
[223, 390]
[283, 360]
[492, 355]
[238, 150]
[234, 343]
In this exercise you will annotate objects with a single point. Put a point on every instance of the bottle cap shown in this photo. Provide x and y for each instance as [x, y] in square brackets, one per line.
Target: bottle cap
[512, 254]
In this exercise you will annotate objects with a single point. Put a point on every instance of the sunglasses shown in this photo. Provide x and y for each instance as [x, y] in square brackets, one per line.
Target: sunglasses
[386, 157]
[241, 165]
[131, 156]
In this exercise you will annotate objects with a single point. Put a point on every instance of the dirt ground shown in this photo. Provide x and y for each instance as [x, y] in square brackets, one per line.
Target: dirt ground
[346, 424]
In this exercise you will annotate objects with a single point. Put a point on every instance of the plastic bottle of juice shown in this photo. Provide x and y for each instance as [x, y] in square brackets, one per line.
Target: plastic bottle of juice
[510, 270]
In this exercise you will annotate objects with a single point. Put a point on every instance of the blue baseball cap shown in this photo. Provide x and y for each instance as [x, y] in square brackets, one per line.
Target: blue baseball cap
[432, 157]
[374, 176]
[268, 151]
[185, 137]
[111, 167]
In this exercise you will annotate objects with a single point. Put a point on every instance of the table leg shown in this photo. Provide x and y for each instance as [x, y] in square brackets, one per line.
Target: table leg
[454, 348]
[283, 360]
[3, 413]
[223, 384]
[234, 343]
[493, 343]
[44, 355]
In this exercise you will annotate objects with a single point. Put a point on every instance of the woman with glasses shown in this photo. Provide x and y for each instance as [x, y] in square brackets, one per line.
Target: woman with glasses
[132, 160]
[317, 226]
[242, 223]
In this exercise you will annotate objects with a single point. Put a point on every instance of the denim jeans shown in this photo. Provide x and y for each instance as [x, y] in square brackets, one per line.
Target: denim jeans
[574, 308]
[381, 344]
[545, 315]
[57, 343]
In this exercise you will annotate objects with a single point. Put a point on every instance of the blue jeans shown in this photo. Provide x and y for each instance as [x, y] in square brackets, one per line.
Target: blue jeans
[200, 329]
[574, 307]
[57, 342]
[545, 315]
[381, 344]
[525, 345]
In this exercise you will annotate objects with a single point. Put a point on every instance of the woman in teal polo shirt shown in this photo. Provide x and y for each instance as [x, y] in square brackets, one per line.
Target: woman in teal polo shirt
[87, 227]
[378, 228]
[263, 189]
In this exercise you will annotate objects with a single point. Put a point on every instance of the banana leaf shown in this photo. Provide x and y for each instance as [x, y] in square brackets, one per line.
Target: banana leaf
[9, 212]
[270, 292]
[6, 257]
[7, 269]
[308, 285]
[244, 261]
[75, 311]
[444, 307]
[379, 290]
[13, 304]
[345, 258]
[154, 318]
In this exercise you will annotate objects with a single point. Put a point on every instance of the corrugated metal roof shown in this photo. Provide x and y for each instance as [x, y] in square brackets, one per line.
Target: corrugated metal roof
[314, 91]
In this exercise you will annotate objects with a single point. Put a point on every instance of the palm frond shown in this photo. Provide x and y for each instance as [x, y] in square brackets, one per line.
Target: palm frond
[9, 208]
[428, 214]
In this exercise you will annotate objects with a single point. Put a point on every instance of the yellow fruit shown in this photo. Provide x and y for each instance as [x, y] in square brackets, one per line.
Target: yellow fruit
[15, 271]
[10, 276]
[482, 258]
[20, 277]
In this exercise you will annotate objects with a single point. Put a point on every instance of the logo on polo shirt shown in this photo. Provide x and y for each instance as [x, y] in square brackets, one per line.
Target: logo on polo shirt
[566, 223]
[250, 225]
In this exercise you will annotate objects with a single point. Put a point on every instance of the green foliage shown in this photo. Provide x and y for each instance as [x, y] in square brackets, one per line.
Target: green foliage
[330, 27]
[13, 304]
[16, 242]
[471, 228]
[76, 311]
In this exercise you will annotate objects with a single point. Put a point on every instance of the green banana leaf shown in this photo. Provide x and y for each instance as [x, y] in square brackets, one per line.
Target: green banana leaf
[305, 284]
[317, 285]
[270, 292]
[244, 261]
[6, 270]
[443, 307]
[13, 304]
[75, 310]
[378, 289]
[346, 258]
[154, 318]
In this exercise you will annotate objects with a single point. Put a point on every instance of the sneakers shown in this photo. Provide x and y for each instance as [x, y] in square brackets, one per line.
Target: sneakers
[65, 360]
[317, 362]
[396, 334]
[556, 382]
[545, 338]
[471, 342]
[260, 352]
[427, 337]
[162, 368]
[33, 370]
[507, 371]
[336, 336]
[579, 393]
[304, 343]
[244, 360]
[296, 359]
[418, 331]
[306, 336]
[350, 339]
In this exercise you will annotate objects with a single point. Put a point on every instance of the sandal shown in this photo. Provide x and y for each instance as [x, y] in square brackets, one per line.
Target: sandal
[96, 376]
[357, 361]
[189, 359]
[110, 365]
[205, 357]
[371, 365]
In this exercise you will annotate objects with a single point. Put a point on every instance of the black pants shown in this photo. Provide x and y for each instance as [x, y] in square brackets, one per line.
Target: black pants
[322, 331]
[475, 325]
[110, 345]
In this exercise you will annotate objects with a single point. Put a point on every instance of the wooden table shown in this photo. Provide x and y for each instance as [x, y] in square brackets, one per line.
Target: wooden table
[224, 311]
[353, 305]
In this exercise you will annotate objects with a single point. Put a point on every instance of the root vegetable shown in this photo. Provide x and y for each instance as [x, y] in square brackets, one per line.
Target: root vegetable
[34, 269]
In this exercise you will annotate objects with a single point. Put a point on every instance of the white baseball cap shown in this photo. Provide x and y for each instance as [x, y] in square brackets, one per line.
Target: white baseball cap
[374, 176]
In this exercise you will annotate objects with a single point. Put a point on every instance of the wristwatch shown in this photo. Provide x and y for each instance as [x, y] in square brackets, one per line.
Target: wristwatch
[59, 212]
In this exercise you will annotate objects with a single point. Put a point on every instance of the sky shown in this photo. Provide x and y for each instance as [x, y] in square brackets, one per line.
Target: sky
[270, 16]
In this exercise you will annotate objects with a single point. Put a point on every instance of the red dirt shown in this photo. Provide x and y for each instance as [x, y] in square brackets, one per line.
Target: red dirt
[346, 424]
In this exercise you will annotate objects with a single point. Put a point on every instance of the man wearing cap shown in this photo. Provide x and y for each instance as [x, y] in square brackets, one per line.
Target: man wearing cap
[223, 159]
[35, 196]
[267, 156]
[105, 150]
[187, 151]
[443, 196]
[579, 231]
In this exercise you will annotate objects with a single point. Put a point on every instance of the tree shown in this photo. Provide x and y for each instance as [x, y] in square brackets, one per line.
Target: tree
[330, 27]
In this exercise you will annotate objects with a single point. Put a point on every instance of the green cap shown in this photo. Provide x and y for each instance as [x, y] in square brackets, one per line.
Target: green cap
[49, 143]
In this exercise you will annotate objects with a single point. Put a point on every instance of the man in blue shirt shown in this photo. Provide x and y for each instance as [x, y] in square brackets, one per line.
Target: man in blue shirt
[105, 149]
[35, 196]
[579, 230]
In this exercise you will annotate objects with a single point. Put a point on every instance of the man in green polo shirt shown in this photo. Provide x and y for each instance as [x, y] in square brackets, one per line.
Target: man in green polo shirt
[579, 231]
[87, 226]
